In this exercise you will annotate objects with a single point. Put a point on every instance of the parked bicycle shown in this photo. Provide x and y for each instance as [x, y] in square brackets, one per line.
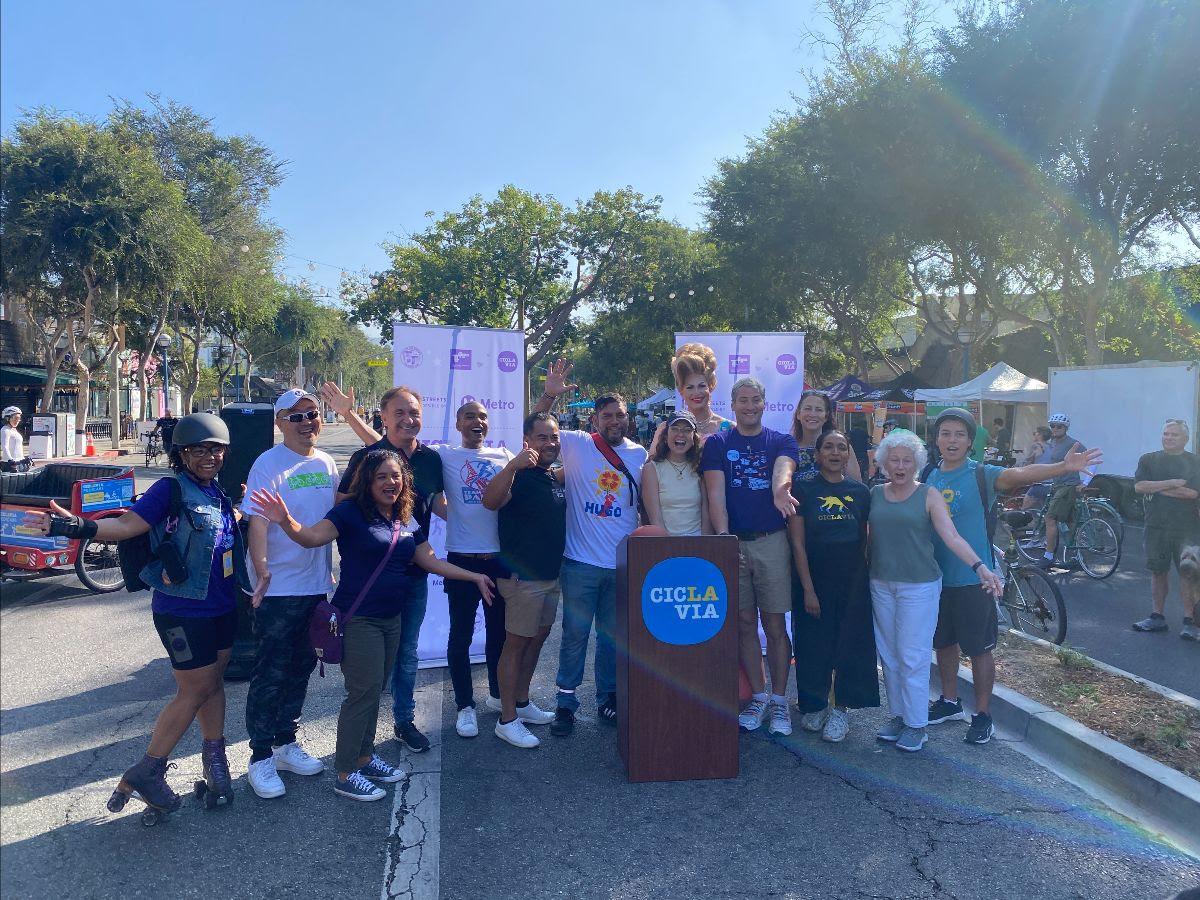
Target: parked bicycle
[1031, 601]
[1090, 542]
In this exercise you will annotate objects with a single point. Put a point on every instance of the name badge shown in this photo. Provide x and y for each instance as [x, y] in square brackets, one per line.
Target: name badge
[227, 563]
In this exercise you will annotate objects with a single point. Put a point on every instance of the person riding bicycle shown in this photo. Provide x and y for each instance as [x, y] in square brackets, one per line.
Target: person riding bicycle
[164, 427]
[1064, 489]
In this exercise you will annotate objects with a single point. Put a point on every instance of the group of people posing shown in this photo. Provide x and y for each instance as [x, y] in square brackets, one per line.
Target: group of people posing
[886, 572]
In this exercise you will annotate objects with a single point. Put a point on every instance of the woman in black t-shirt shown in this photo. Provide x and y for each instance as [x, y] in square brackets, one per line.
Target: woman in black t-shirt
[831, 603]
[377, 513]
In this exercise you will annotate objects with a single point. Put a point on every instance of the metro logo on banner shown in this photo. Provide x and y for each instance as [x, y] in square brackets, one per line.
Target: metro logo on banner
[449, 366]
[774, 358]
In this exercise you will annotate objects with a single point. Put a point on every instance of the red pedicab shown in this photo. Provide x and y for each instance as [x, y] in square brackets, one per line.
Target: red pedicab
[91, 491]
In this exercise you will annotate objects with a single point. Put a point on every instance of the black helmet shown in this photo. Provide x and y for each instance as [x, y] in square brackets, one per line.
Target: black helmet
[198, 428]
[956, 412]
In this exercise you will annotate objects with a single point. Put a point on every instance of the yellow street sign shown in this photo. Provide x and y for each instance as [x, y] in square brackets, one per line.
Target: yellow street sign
[378, 363]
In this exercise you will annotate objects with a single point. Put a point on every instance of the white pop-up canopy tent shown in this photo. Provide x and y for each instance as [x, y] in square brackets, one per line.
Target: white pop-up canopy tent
[999, 384]
[666, 395]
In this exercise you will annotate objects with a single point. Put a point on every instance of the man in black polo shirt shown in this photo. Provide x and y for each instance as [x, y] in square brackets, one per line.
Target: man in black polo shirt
[400, 408]
[532, 522]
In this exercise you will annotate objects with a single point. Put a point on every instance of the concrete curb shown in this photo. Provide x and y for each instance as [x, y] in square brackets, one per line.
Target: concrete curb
[1152, 794]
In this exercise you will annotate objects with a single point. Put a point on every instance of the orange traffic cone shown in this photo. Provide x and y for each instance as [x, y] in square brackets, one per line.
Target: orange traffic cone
[91, 448]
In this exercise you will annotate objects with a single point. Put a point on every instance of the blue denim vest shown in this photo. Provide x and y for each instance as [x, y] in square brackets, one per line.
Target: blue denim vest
[195, 536]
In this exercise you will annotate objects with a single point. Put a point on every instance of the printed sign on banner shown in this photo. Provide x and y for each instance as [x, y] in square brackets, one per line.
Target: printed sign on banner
[450, 366]
[774, 358]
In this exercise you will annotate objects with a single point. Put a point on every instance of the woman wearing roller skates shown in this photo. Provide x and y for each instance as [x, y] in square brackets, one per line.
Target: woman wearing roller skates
[196, 566]
[377, 538]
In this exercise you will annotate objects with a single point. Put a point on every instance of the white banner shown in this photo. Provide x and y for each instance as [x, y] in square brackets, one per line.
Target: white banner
[774, 358]
[450, 366]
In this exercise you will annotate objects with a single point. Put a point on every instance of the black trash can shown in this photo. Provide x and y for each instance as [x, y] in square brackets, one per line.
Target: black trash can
[251, 432]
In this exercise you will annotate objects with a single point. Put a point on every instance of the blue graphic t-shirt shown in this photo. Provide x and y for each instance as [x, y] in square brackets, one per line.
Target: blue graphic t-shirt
[153, 506]
[748, 463]
[960, 490]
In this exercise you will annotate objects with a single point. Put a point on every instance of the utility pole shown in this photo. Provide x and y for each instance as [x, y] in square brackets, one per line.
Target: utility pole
[114, 374]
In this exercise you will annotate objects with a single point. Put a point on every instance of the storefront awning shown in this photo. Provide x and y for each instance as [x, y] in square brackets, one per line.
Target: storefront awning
[27, 376]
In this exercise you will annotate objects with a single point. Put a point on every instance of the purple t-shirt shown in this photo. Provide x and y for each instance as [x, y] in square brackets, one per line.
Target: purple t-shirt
[748, 463]
[221, 599]
[362, 545]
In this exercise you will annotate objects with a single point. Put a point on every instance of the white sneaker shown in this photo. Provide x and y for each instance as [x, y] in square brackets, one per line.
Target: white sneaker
[517, 734]
[532, 714]
[780, 719]
[264, 780]
[493, 703]
[814, 721]
[752, 716]
[293, 758]
[468, 723]
[836, 726]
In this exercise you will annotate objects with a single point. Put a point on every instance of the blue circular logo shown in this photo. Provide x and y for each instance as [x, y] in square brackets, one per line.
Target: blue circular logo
[684, 600]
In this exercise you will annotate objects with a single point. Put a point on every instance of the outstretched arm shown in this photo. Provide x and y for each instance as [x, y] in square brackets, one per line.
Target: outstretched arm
[424, 557]
[271, 507]
[343, 405]
[1076, 460]
[556, 385]
[939, 515]
[62, 522]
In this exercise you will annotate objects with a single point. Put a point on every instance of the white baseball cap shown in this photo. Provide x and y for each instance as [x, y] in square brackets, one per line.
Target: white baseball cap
[291, 397]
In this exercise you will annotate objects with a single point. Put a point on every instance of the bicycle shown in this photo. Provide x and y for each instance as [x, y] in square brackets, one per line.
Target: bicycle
[153, 448]
[1091, 543]
[1031, 602]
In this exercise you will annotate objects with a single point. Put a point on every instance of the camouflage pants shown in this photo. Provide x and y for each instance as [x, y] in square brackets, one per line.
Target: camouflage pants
[283, 661]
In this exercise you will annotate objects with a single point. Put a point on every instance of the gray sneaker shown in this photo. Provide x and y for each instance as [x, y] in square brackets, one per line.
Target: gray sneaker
[912, 739]
[892, 730]
[1189, 632]
[1151, 623]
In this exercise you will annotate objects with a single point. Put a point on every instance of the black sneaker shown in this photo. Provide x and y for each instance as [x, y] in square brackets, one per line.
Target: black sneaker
[981, 729]
[564, 722]
[608, 711]
[943, 710]
[407, 734]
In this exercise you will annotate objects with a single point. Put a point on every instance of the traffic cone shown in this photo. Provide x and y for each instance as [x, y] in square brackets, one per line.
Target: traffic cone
[91, 448]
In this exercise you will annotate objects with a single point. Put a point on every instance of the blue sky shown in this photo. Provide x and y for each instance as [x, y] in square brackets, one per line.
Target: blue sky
[387, 110]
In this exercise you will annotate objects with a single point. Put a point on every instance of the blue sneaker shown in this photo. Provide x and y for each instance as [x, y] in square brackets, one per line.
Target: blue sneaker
[378, 770]
[356, 787]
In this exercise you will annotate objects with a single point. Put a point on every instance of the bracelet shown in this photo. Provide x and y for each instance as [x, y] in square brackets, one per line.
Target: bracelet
[978, 563]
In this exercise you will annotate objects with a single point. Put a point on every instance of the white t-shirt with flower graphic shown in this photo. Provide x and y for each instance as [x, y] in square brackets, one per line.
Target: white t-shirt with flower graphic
[600, 508]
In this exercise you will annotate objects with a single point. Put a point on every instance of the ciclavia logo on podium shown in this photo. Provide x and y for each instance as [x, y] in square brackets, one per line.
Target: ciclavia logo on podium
[684, 600]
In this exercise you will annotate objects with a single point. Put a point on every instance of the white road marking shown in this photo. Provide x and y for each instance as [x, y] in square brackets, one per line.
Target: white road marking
[414, 841]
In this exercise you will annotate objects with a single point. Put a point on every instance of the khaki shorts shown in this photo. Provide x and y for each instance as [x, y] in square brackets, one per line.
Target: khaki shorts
[1062, 503]
[765, 573]
[529, 606]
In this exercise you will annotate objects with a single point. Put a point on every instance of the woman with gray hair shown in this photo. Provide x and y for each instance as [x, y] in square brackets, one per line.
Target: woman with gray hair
[906, 582]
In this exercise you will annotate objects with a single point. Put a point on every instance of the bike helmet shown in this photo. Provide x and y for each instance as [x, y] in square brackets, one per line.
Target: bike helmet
[10, 411]
[198, 428]
[1059, 419]
[962, 415]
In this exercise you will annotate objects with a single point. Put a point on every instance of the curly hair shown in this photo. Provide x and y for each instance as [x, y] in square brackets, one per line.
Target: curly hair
[695, 359]
[901, 438]
[360, 486]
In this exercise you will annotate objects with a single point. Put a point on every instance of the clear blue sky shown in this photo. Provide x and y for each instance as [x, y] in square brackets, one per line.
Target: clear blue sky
[387, 110]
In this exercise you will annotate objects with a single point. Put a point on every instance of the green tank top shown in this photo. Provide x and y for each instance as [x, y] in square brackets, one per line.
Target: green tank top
[902, 538]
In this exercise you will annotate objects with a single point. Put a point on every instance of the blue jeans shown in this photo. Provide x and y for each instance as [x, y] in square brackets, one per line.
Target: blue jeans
[404, 673]
[589, 593]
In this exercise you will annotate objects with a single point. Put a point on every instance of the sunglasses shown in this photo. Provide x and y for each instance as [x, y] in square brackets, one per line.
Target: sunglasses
[301, 417]
[199, 451]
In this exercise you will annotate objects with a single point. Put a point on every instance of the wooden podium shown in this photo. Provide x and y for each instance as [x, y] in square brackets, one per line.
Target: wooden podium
[677, 657]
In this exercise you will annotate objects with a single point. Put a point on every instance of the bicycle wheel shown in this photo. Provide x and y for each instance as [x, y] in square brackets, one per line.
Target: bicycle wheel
[1097, 548]
[1031, 545]
[98, 567]
[1035, 604]
[1102, 509]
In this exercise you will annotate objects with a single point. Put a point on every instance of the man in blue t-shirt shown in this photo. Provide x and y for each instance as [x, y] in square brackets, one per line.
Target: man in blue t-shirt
[967, 614]
[748, 476]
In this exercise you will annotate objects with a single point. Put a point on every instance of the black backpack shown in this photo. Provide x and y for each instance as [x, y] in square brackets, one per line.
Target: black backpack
[135, 553]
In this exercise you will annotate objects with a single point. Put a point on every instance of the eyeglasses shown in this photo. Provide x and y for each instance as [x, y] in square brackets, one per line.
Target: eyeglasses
[300, 417]
[199, 451]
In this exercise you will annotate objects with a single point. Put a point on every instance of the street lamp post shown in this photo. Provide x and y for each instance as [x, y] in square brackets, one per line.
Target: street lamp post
[965, 337]
[162, 343]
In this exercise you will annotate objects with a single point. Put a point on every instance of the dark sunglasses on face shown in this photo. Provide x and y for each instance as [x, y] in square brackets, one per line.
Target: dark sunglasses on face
[300, 417]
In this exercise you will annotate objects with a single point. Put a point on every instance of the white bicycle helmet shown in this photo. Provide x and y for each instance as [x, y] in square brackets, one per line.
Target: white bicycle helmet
[10, 411]
[1059, 419]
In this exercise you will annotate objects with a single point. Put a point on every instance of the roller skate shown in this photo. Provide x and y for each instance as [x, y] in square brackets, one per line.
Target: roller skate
[216, 789]
[147, 782]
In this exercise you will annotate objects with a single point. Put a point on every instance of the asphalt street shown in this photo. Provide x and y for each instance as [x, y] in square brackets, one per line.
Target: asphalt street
[82, 678]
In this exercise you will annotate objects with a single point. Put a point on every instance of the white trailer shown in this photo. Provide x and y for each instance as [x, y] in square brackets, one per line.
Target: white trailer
[1121, 409]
